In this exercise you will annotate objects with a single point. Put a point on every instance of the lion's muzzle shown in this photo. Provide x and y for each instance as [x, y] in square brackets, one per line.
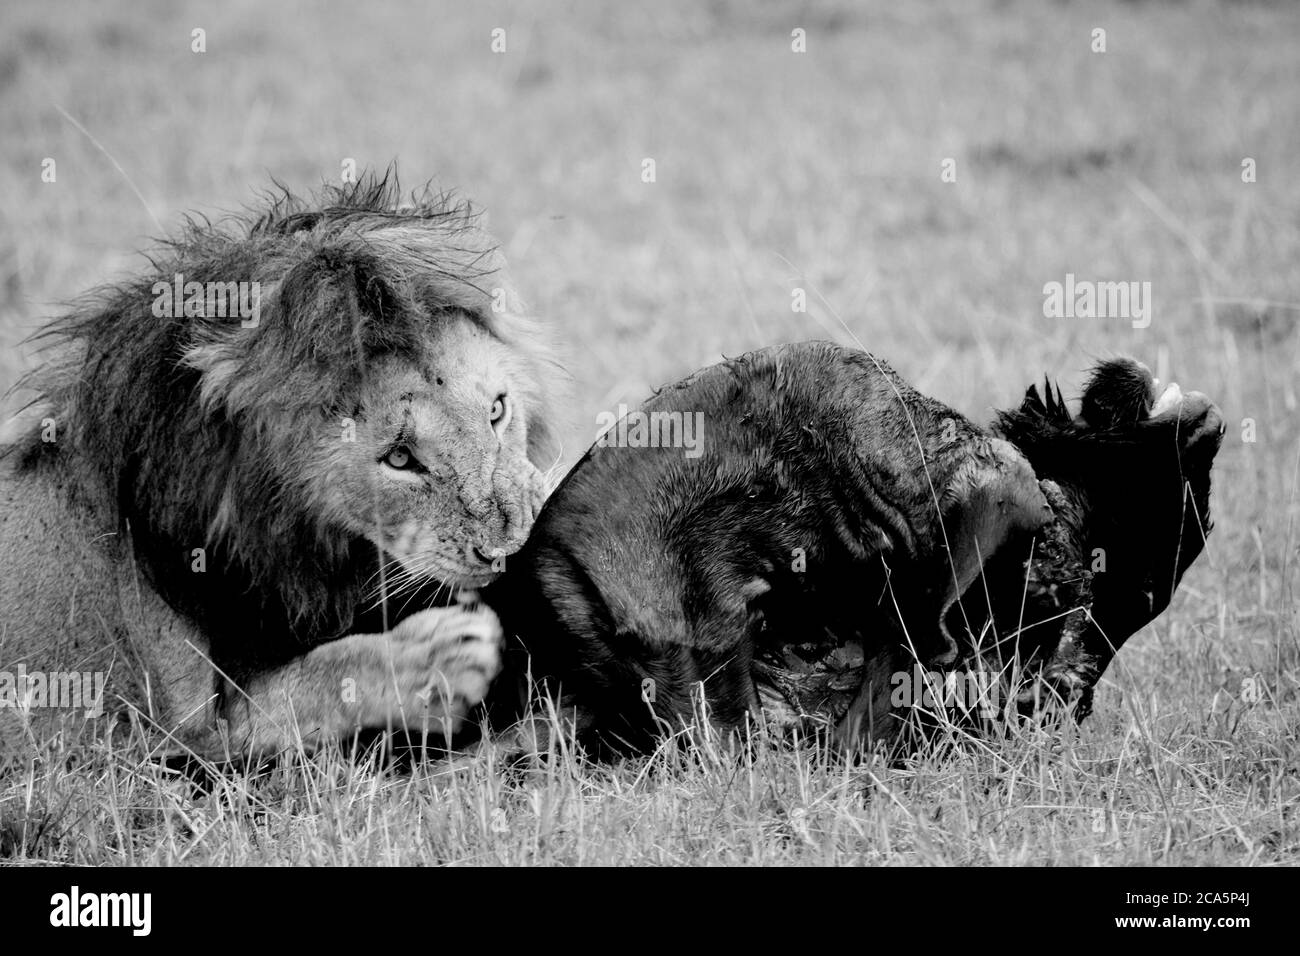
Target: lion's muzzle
[518, 491]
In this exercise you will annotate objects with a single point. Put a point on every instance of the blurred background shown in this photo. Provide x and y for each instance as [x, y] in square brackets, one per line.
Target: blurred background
[774, 169]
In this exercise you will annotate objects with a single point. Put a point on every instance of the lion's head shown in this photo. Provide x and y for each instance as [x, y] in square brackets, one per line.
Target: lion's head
[439, 476]
[373, 418]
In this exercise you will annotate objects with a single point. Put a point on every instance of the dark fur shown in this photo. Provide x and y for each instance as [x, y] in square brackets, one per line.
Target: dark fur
[1119, 393]
[1137, 490]
[642, 563]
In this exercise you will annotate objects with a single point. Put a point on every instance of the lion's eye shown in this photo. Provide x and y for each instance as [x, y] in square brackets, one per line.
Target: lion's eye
[399, 457]
[499, 413]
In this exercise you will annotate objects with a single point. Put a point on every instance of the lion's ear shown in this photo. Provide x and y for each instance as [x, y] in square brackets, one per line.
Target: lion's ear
[993, 498]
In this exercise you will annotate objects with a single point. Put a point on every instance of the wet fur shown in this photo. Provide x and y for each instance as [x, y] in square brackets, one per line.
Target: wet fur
[686, 577]
[691, 573]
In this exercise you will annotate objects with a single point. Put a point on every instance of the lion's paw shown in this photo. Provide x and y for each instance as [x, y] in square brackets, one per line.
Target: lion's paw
[445, 660]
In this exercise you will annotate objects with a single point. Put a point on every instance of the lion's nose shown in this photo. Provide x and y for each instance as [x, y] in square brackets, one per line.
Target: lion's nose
[518, 512]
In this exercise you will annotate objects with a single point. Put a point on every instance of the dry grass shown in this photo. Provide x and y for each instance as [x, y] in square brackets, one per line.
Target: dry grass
[774, 170]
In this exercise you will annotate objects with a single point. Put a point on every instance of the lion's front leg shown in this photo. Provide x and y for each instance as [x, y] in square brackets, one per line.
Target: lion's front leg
[422, 676]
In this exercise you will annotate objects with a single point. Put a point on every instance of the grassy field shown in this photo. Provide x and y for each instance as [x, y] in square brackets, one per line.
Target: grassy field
[774, 169]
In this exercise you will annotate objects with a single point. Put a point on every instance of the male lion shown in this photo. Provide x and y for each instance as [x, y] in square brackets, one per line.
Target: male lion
[216, 507]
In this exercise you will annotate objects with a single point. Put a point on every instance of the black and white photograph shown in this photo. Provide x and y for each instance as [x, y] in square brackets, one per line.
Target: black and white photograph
[700, 433]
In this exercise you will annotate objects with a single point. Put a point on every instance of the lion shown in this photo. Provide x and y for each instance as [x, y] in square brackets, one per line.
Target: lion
[261, 483]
